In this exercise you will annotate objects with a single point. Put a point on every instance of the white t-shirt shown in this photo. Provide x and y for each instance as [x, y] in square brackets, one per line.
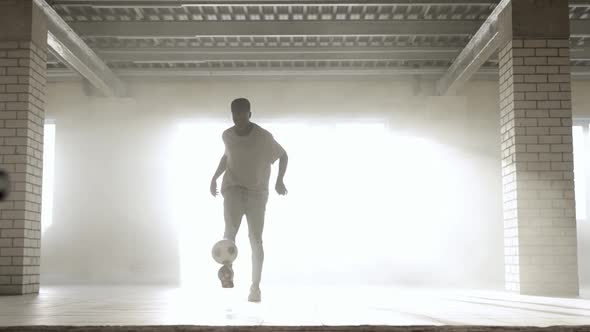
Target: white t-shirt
[249, 158]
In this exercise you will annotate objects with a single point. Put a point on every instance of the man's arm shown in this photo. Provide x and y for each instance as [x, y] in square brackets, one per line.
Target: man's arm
[283, 166]
[280, 186]
[218, 172]
[220, 168]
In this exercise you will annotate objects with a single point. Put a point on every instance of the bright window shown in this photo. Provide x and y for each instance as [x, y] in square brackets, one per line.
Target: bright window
[48, 171]
[581, 164]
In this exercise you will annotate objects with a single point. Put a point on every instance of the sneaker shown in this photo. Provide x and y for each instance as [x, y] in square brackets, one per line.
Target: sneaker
[226, 276]
[254, 294]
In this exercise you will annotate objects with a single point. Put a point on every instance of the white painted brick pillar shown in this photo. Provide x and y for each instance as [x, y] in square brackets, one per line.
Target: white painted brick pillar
[537, 162]
[23, 47]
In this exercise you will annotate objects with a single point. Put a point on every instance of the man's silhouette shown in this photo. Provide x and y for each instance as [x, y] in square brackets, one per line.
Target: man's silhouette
[249, 152]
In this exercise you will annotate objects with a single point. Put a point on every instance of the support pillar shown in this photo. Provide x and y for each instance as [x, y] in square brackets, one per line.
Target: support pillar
[537, 156]
[23, 47]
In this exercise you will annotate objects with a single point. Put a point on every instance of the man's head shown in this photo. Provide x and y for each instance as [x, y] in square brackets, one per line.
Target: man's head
[240, 109]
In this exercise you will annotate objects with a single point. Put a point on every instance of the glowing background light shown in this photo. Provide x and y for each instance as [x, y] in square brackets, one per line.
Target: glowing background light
[579, 143]
[48, 178]
[363, 204]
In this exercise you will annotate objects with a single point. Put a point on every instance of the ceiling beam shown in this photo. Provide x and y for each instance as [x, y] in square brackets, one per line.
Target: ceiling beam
[578, 28]
[579, 3]
[188, 55]
[578, 73]
[72, 51]
[303, 71]
[580, 54]
[482, 45]
[280, 28]
[278, 3]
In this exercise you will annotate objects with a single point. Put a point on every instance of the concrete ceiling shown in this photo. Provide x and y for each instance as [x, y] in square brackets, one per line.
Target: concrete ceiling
[170, 38]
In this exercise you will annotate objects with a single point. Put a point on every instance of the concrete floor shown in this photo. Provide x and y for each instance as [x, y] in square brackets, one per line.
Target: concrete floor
[288, 306]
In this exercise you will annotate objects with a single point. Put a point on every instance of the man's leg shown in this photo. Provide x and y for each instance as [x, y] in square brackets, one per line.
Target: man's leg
[255, 211]
[233, 211]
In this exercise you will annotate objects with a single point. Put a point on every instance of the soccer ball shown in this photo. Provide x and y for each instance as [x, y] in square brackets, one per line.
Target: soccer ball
[225, 252]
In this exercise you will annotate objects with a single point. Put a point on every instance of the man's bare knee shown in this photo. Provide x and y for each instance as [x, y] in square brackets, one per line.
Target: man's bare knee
[255, 241]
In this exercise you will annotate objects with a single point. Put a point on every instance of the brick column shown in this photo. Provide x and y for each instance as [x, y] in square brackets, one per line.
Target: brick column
[537, 161]
[23, 47]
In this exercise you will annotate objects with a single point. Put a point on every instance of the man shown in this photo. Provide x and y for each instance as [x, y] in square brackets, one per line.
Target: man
[249, 152]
